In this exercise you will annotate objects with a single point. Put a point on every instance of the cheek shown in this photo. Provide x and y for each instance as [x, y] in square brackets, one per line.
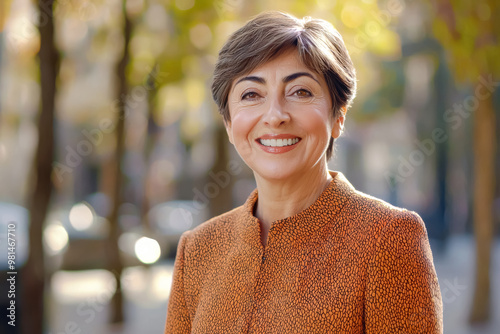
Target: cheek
[317, 123]
[242, 125]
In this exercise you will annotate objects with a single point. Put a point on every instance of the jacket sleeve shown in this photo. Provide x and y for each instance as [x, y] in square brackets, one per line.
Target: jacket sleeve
[178, 320]
[402, 292]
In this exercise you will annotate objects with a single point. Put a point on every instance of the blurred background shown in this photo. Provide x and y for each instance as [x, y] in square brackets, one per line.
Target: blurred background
[111, 147]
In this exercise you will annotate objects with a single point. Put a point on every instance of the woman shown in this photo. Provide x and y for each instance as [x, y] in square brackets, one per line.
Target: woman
[306, 253]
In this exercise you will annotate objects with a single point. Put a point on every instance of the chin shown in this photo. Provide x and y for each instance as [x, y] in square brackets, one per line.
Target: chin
[275, 171]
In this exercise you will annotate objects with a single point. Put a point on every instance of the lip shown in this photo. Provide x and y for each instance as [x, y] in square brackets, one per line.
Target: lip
[277, 150]
[278, 136]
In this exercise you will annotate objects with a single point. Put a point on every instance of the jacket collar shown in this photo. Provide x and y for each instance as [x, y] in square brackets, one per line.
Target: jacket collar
[303, 224]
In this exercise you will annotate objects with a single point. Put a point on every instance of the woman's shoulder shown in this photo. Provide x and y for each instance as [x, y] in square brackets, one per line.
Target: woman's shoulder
[369, 205]
[218, 227]
[364, 208]
[381, 214]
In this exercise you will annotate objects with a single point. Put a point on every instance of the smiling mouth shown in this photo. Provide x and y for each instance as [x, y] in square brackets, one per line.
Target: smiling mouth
[278, 142]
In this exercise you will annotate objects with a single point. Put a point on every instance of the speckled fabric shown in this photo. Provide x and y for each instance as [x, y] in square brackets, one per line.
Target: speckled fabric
[349, 263]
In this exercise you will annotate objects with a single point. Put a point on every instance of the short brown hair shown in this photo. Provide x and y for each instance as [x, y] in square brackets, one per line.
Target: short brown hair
[320, 47]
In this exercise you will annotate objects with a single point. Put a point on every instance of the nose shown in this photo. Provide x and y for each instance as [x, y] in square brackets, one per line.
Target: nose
[276, 115]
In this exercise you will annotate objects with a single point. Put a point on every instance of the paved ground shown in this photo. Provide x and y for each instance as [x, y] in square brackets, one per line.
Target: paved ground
[79, 300]
[455, 268]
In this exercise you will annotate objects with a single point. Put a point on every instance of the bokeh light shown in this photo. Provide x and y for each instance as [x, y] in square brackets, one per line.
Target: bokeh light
[200, 35]
[96, 285]
[55, 238]
[147, 250]
[81, 216]
[162, 280]
[184, 4]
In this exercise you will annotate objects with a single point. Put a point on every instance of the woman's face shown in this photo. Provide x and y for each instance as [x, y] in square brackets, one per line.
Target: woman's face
[281, 120]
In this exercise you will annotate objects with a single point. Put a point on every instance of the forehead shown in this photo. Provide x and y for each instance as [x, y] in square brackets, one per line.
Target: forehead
[280, 66]
[286, 61]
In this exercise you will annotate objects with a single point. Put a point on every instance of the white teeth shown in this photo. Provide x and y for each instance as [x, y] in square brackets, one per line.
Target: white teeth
[278, 142]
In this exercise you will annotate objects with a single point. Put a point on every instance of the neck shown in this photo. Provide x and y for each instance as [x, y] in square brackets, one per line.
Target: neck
[279, 199]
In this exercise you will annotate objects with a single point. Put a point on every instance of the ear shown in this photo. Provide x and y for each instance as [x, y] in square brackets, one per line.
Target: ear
[229, 131]
[338, 126]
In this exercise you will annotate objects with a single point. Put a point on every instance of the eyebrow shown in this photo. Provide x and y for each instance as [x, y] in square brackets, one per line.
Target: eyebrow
[286, 79]
[294, 76]
[252, 78]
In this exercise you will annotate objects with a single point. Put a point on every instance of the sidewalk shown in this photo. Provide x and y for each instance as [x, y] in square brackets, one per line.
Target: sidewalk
[455, 268]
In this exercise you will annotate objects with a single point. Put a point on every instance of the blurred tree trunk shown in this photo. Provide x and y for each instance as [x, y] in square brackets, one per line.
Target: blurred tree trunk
[484, 192]
[440, 227]
[115, 263]
[150, 143]
[33, 273]
[223, 201]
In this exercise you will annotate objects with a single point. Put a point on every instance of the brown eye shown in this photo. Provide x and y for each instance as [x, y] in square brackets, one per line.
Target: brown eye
[303, 93]
[249, 96]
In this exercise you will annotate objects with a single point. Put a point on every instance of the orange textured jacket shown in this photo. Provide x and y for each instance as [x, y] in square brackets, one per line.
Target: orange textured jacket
[349, 263]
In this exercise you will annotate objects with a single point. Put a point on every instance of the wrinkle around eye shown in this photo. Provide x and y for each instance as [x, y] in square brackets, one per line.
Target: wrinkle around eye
[300, 87]
[309, 94]
[246, 96]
